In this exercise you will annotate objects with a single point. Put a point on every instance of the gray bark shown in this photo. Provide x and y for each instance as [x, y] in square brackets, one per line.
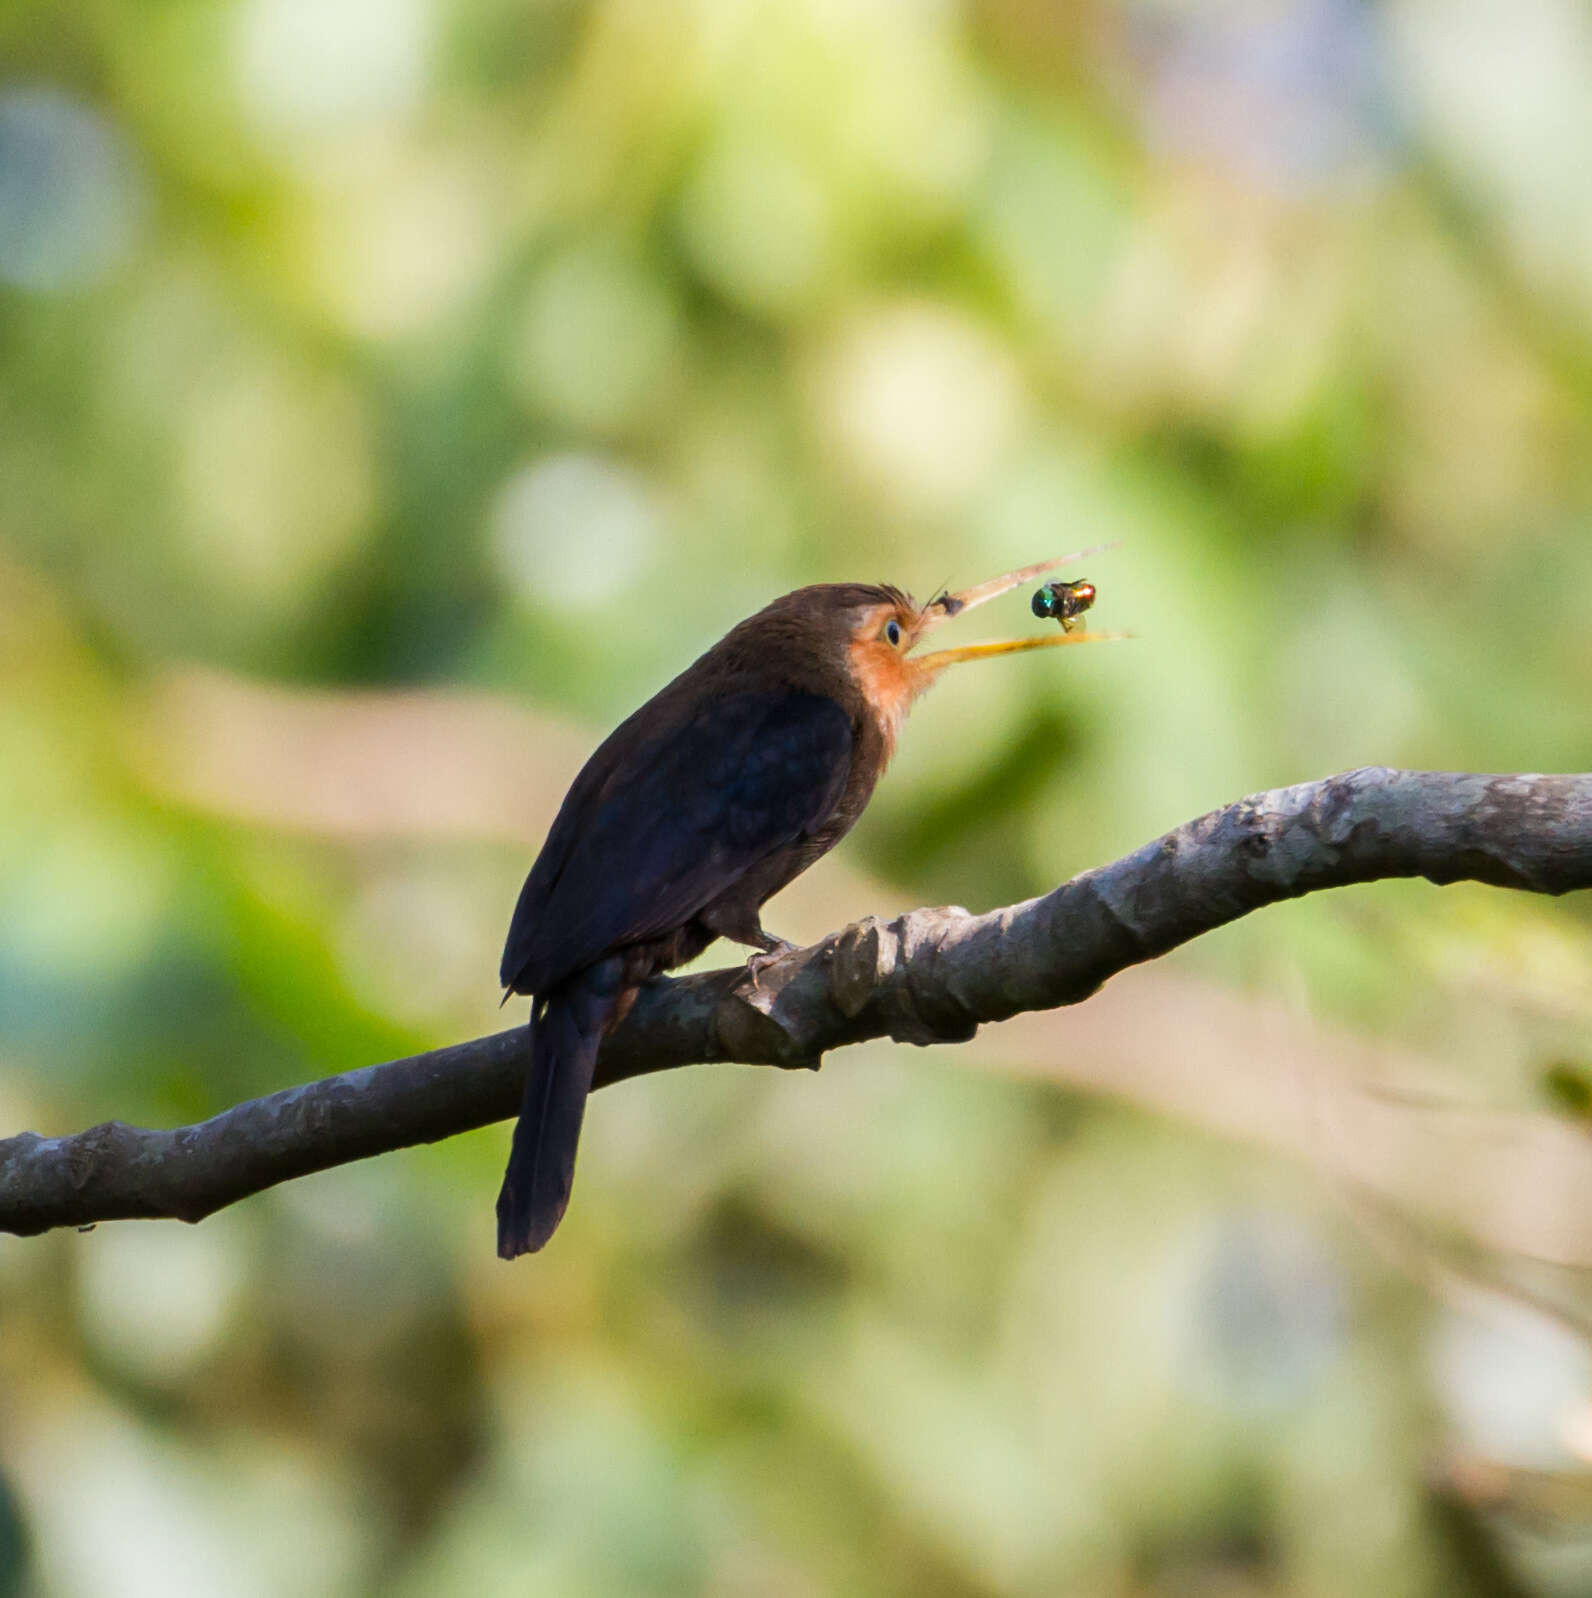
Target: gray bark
[930, 976]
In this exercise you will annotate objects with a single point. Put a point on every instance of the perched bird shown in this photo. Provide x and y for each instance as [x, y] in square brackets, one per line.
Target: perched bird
[718, 791]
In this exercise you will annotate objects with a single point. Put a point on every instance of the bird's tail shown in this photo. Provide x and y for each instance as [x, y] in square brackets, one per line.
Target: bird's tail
[565, 1036]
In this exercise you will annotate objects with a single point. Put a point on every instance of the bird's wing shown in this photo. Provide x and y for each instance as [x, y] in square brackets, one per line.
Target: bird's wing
[661, 831]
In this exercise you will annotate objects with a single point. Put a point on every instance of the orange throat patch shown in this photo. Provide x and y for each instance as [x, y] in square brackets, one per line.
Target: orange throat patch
[889, 682]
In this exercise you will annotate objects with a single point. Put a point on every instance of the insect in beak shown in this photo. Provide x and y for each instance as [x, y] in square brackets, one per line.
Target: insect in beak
[944, 606]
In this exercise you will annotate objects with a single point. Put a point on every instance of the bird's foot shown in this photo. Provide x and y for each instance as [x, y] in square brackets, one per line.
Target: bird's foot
[758, 963]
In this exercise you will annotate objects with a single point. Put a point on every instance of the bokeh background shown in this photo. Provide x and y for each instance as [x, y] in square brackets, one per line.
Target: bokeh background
[394, 392]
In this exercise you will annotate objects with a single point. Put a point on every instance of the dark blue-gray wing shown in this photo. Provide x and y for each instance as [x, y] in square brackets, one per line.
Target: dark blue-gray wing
[673, 825]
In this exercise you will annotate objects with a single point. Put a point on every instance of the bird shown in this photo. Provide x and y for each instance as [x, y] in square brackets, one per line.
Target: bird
[699, 807]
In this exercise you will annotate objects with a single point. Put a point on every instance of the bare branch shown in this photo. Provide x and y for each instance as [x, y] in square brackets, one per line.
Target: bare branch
[930, 976]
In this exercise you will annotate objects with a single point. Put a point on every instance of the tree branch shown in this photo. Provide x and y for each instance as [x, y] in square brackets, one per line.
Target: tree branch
[930, 976]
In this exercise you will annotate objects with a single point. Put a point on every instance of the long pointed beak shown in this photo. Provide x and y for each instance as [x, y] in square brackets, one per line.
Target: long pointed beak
[941, 610]
[937, 659]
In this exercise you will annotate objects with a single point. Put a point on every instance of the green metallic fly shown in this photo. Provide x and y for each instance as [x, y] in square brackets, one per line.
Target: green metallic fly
[1064, 602]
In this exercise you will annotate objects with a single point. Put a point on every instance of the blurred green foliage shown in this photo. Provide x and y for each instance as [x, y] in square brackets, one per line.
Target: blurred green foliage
[523, 346]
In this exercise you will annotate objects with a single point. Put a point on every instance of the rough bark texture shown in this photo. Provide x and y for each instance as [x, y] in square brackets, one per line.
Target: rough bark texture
[931, 976]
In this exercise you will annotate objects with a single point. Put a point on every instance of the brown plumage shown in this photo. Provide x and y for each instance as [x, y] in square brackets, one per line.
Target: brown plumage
[729, 782]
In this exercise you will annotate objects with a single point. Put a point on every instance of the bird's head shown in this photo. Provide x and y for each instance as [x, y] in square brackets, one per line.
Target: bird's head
[884, 625]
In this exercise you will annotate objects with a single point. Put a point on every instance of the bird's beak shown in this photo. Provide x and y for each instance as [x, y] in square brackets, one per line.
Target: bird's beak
[941, 610]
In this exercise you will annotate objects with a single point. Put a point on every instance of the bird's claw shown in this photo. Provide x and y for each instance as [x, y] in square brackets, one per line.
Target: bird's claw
[757, 964]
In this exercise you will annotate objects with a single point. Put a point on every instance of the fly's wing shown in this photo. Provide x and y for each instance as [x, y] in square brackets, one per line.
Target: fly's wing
[673, 825]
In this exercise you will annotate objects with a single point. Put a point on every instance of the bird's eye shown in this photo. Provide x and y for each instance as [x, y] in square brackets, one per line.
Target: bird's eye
[892, 631]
